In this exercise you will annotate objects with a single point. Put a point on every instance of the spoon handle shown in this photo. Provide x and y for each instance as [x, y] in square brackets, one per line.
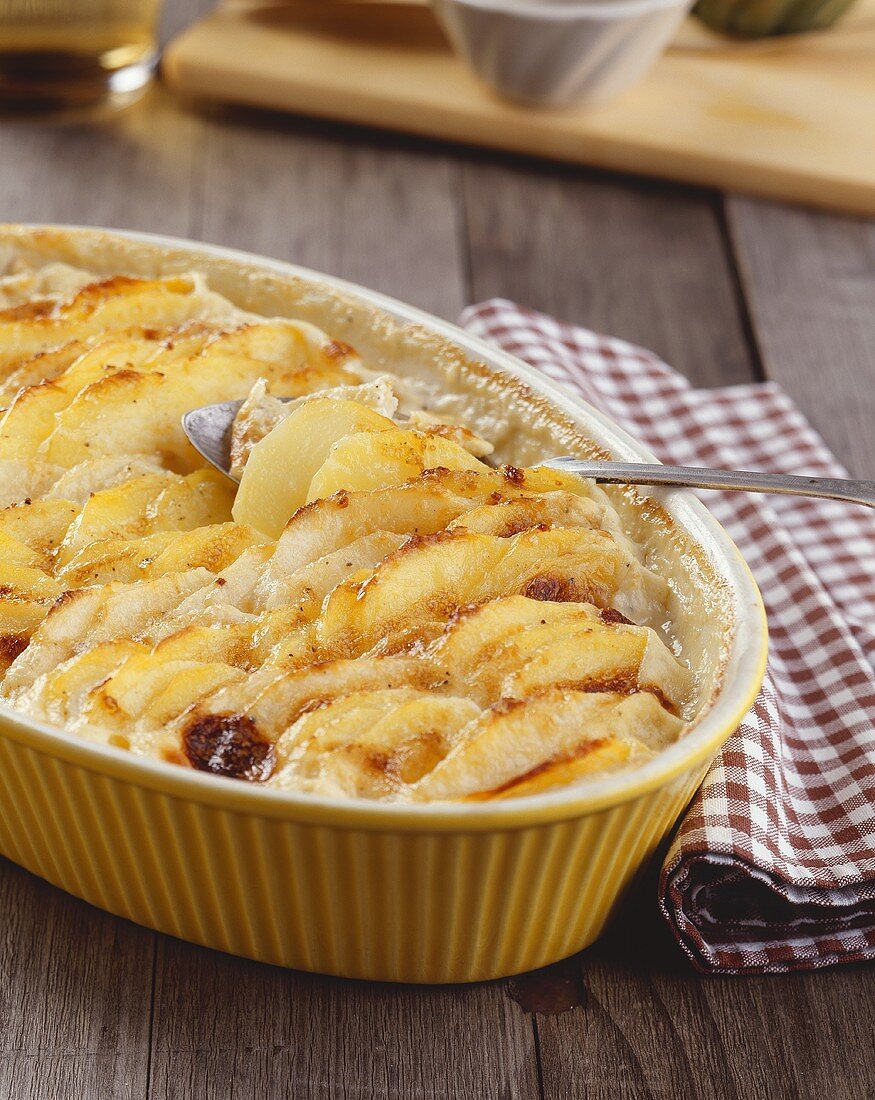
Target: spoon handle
[691, 477]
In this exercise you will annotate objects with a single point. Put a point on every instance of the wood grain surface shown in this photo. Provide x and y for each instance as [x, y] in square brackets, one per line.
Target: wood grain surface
[727, 290]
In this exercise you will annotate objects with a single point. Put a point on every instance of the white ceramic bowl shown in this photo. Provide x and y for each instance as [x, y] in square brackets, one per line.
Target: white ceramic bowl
[560, 52]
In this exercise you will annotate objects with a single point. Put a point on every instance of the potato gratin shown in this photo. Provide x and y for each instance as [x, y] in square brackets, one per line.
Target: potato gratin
[380, 613]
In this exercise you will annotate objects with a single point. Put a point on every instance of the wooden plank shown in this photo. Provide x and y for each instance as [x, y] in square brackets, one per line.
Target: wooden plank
[75, 994]
[276, 1033]
[132, 172]
[333, 198]
[386, 216]
[784, 121]
[639, 261]
[810, 279]
[643, 1023]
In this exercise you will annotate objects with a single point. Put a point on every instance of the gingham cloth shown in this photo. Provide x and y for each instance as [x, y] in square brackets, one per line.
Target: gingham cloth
[773, 866]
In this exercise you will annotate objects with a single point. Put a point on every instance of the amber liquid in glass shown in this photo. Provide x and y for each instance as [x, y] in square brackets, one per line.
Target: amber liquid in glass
[60, 55]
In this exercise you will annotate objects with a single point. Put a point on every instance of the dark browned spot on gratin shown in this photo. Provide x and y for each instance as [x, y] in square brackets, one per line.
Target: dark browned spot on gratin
[552, 589]
[610, 615]
[519, 524]
[12, 646]
[514, 475]
[229, 745]
[337, 349]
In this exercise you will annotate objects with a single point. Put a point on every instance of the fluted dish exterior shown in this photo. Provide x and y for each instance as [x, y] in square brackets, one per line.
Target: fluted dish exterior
[387, 904]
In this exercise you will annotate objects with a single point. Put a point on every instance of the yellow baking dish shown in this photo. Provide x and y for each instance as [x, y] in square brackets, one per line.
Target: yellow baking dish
[426, 893]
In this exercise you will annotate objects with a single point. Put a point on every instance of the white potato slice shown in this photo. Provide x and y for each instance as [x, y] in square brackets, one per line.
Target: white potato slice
[96, 475]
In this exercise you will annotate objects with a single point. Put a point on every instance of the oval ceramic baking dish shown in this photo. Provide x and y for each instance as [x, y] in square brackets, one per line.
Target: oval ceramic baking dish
[431, 893]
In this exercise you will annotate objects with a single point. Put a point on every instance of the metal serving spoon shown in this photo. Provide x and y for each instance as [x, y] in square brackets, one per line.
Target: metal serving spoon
[209, 430]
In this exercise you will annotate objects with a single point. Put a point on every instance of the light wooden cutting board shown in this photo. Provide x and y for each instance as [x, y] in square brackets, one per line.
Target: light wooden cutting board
[791, 118]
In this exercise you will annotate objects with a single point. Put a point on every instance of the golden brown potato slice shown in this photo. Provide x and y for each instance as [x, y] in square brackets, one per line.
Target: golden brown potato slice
[148, 690]
[14, 552]
[509, 517]
[32, 416]
[267, 702]
[230, 643]
[59, 695]
[100, 308]
[149, 504]
[42, 367]
[515, 647]
[138, 409]
[26, 582]
[369, 460]
[279, 699]
[26, 596]
[522, 746]
[427, 422]
[40, 524]
[370, 744]
[430, 577]
[213, 547]
[421, 506]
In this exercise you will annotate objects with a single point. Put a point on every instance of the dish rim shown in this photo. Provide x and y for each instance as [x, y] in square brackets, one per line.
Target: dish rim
[742, 673]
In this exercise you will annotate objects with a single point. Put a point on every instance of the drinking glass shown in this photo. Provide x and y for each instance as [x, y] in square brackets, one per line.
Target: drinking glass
[72, 55]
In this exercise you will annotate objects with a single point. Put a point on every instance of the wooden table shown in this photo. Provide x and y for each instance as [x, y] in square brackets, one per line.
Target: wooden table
[725, 288]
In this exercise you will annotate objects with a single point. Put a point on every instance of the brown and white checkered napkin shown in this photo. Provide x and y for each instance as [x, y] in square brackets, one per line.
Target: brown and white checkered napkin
[773, 866]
